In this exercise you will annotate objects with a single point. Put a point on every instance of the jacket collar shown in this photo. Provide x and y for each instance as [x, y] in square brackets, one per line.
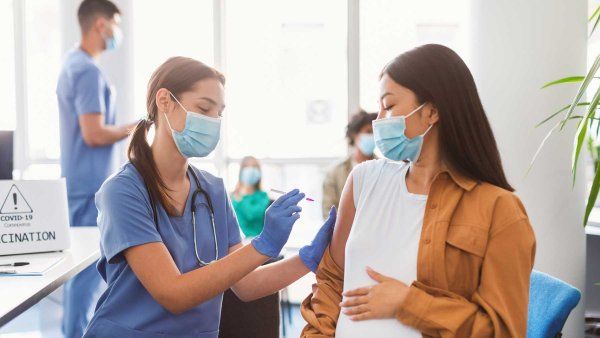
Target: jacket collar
[462, 181]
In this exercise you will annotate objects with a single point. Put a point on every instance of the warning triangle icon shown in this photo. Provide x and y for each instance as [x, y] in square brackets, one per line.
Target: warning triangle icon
[15, 203]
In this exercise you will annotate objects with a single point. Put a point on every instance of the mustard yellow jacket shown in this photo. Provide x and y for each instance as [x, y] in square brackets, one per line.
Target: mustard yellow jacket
[475, 258]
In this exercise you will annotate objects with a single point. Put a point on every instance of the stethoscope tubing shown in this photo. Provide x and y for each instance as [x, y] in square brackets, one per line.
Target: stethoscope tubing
[211, 210]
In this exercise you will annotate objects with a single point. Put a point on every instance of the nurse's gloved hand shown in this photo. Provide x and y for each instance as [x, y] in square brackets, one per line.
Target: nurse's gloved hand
[279, 219]
[312, 254]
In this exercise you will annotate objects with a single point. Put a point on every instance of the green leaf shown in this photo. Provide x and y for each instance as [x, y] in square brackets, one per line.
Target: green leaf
[567, 79]
[591, 148]
[592, 196]
[594, 14]
[579, 139]
[588, 78]
[595, 25]
[578, 117]
[539, 149]
[597, 127]
[582, 130]
[560, 111]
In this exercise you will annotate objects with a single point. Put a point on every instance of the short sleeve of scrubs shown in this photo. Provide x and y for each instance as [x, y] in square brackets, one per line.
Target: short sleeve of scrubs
[233, 227]
[124, 217]
[90, 91]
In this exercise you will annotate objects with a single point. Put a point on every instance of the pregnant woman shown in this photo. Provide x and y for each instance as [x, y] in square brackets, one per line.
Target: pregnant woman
[430, 241]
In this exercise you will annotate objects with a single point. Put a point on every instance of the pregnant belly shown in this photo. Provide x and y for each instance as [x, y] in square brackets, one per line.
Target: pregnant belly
[374, 328]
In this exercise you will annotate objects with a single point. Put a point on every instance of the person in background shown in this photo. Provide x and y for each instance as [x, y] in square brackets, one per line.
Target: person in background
[86, 104]
[249, 201]
[359, 134]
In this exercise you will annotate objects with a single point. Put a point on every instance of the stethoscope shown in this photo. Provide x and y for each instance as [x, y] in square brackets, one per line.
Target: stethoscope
[211, 210]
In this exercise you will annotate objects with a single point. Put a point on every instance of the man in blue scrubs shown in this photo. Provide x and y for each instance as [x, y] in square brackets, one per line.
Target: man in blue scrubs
[88, 135]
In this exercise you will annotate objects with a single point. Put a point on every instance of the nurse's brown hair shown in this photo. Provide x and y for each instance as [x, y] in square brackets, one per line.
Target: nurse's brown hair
[436, 74]
[178, 75]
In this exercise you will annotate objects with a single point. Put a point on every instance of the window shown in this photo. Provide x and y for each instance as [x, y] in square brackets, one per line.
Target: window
[7, 65]
[286, 68]
[389, 27]
[43, 62]
[165, 29]
[287, 95]
[189, 31]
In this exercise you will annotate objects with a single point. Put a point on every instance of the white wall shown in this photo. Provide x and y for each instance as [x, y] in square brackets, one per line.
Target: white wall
[516, 47]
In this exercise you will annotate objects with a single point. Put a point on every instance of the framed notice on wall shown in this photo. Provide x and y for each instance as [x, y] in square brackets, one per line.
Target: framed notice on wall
[33, 216]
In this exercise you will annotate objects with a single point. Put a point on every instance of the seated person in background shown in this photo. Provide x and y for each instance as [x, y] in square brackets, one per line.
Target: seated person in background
[359, 134]
[249, 201]
[430, 241]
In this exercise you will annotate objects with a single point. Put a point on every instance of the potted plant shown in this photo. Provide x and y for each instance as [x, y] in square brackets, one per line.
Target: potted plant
[588, 125]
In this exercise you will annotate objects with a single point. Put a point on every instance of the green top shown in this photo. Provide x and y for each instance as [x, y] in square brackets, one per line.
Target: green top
[250, 211]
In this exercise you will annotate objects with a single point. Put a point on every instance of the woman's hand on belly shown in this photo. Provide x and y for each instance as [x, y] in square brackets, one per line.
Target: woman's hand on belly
[379, 301]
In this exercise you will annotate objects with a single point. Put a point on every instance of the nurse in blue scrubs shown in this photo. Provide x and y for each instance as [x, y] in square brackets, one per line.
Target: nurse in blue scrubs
[170, 241]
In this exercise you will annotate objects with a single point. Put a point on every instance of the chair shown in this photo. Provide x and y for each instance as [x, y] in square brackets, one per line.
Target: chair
[550, 303]
[259, 318]
[256, 319]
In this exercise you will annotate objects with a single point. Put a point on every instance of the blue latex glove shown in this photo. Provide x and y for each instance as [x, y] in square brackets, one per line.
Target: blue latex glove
[311, 254]
[279, 219]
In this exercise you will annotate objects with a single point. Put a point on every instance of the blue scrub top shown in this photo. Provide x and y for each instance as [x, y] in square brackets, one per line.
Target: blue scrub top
[125, 218]
[83, 89]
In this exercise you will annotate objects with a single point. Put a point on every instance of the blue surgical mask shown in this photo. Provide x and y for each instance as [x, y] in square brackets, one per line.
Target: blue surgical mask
[250, 175]
[115, 40]
[200, 135]
[366, 144]
[393, 143]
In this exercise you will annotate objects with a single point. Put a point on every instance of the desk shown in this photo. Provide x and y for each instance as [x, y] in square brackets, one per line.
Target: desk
[19, 293]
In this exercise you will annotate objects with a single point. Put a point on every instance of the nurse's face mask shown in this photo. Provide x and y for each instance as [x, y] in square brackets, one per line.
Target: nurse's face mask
[114, 38]
[200, 135]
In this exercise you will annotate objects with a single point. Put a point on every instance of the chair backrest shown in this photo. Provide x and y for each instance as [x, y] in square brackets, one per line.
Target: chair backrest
[259, 318]
[550, 303]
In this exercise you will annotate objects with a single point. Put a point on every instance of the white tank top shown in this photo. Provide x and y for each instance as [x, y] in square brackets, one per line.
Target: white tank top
[385, 236]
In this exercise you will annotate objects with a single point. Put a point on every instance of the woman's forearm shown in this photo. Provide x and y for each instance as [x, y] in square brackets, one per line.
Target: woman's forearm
[178, 292]
[270, 278]
[221, 275]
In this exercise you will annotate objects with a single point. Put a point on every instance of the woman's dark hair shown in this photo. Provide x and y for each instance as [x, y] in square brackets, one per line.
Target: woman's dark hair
[357, 121]
[436, 74]
[178, 75]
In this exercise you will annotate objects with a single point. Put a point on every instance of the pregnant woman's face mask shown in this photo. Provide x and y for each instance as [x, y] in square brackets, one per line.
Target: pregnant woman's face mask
[390, 138]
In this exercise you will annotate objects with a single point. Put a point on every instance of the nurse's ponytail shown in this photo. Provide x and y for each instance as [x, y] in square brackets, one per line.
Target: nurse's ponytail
[140, 155]
[178, 75]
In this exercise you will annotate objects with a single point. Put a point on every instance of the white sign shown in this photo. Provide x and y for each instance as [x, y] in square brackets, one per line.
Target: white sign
[34, 216]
